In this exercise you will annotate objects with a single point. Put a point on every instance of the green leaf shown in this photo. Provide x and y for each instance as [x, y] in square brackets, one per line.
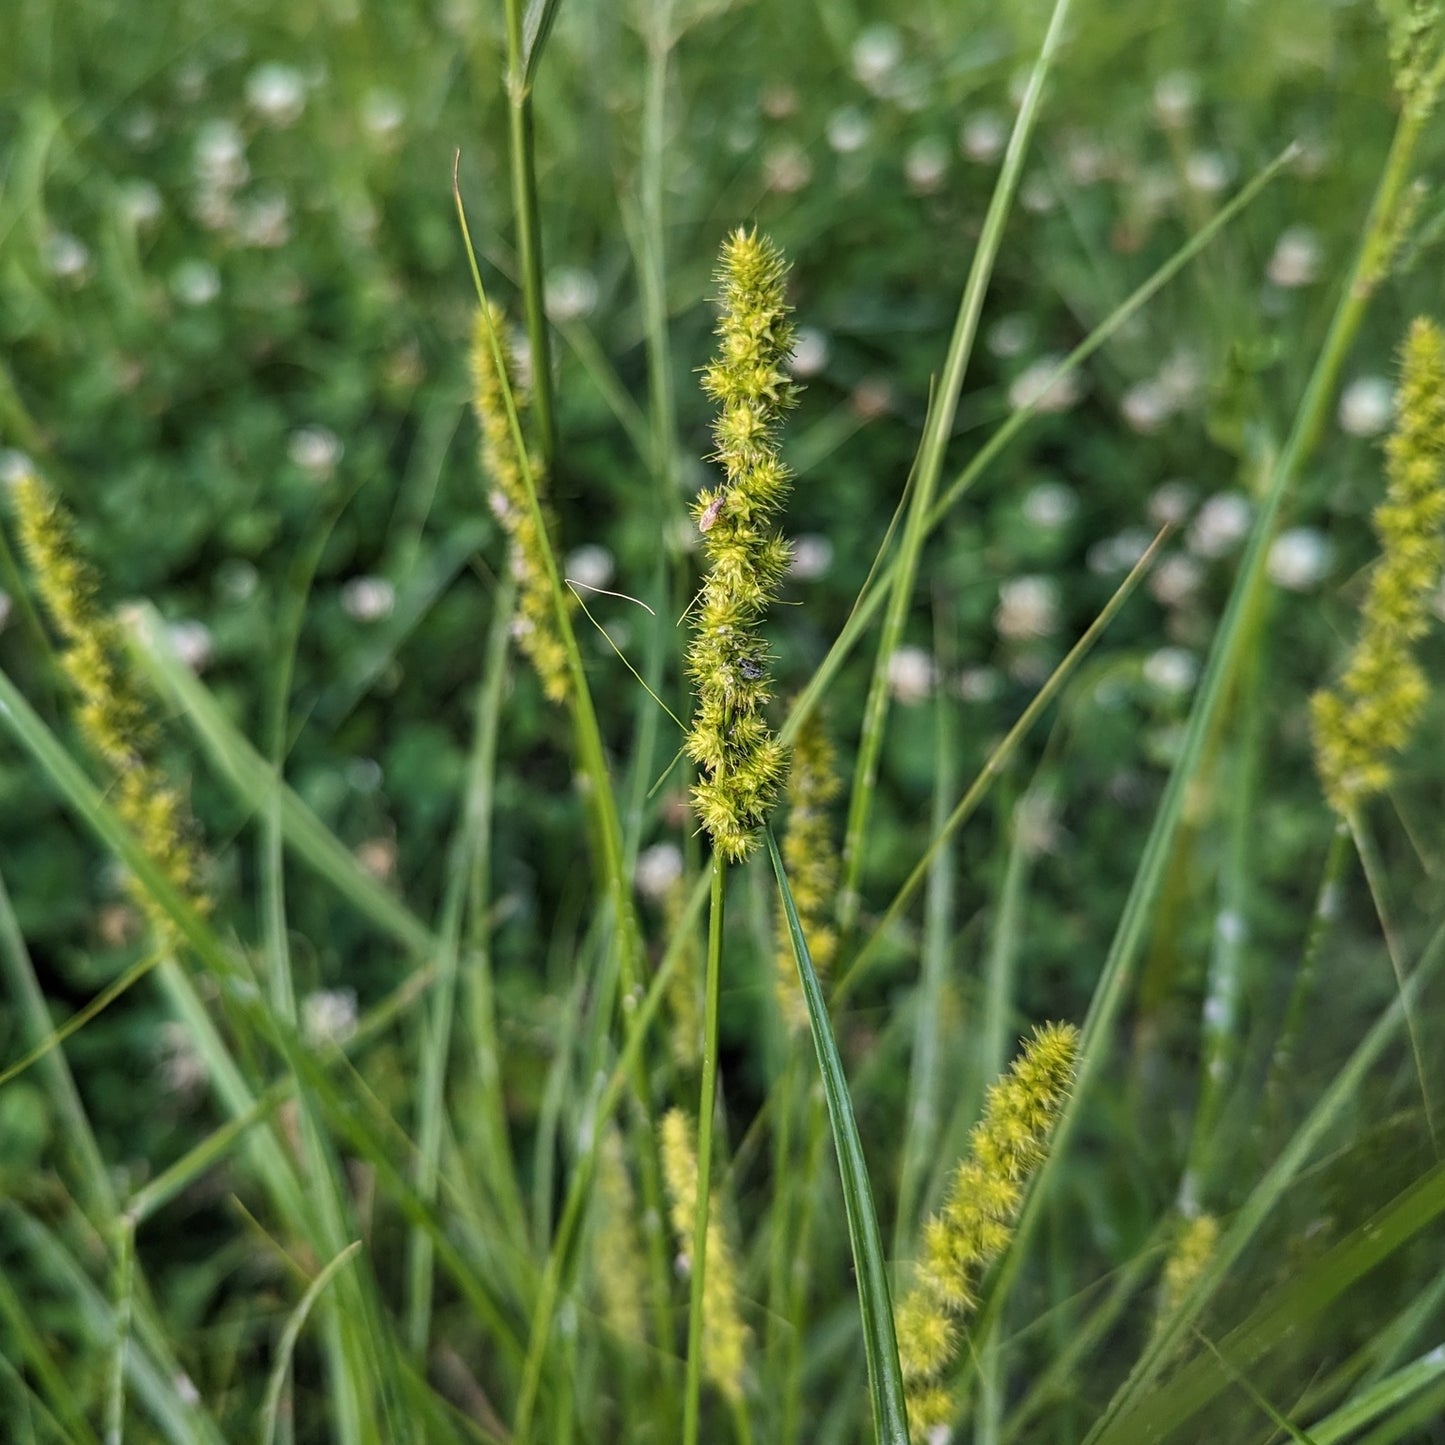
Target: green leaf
[885, 1375]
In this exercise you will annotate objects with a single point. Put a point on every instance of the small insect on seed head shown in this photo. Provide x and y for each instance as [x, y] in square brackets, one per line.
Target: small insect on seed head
[714, 510]
[751, 669]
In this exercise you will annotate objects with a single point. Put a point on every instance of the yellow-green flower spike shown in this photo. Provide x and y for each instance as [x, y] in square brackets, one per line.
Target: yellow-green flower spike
[740, 761]
[110, 712]
[535, 625]
[1192, 1251]
[1417, 51]
[977, 1218]
[811, 856]
[1368, 717]
[617, 1252]
[724, 1335]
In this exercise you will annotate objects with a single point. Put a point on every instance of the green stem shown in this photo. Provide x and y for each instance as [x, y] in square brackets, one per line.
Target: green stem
[706, 1105]
[529, 232]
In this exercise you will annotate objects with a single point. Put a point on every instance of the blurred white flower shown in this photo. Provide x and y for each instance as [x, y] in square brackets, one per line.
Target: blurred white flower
[925, 164]
[1300, 559]
[1221, 524]
[141, 203]
[236, 579]
[328, 1016]
[66, 256]
[590, 565]
[14, 465]
[377, 857]
[571, 294]
[182, 1069]
[1297, 258]
[1111, 555]
[786, 168]
[1171, 670]
[196, 283]
[848, 130]
[265, 222]
[1036, 195]
[876, 52]
[1050, 504]
[315, 449]
[1181, 379]
[1366, 405]
[1009, 335]
[1176, 580]
[1170, 504]
[658, 868]
[1146, 406]
[191, 641]
[368, 599]
[780, 101]
[1085, 160]
[983, 137]
[382, 113]
[1037, 386]
[277, 93]
[871, 398]
[1028, 607]
[911, 675]
[979, 684]
[811, 349]
[1175, 96]
[812, 556]
[1206, 172]
[221, 156]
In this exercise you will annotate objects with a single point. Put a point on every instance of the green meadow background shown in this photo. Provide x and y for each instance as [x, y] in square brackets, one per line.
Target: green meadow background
[235, 308]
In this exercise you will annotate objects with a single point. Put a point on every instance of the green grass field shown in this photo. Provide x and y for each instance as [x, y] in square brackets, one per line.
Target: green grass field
[387, 1053]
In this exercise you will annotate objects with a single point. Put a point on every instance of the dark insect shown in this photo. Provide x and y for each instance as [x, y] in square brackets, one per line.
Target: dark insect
[750, 669]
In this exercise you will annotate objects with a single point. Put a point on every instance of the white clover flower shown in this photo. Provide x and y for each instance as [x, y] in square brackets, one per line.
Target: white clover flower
[66, 256]
[1176, 581]
[911, 675]
[786, 168]
[276, 93]
[1050, 505]
[368, 599]
[265, 222]
[779, 101]
[1146, 406]
[876, 53]
[658, 869]
[1171, 670]
[1028, 607]
[1181, 379]
[925, 164]
[1036, 195]
[1300, 559]
[1171, 503]
[1366, 406]
[1009, 335]
[1221, 524]
[983, 137]
[1085, 160]
[1038, 387]
[1175, 96]
[328, 1016]
[812, 557]
[192, 643]
[590, 565]
[382, 113]
[221, 156]
[979, 684]
[1112, 555]
[571, 294]
[811, 349]
[141, 203]
[315, 449]
[848, 130]
[1207, 172]
[1296, 260]
[196, 283]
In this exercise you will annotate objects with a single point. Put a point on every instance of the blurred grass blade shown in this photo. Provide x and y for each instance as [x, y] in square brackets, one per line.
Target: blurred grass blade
[885, 1375]
[286, 1345]
[1389, 1394]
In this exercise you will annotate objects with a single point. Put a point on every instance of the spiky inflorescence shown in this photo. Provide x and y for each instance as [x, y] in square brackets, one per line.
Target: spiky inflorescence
[724, 1335]
[617, 1252]
[535, 626]
[977, 1218]
[1417, 51]
[111, 714]
[1193, 1249]
[1370, 715]
[811, 856]
[741, 762]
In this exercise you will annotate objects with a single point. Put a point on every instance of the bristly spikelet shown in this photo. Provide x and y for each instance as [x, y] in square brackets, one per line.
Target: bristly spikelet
[1192, 1251]
[617, 1252]
[110, 712]
[535, 626]
[1370, 715]
[811, 856]
[976, 1221]
[741, 762]
[1417, 51]
[724, 1335]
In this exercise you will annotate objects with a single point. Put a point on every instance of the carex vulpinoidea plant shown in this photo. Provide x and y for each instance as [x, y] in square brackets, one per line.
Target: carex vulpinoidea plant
[1369, 715]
